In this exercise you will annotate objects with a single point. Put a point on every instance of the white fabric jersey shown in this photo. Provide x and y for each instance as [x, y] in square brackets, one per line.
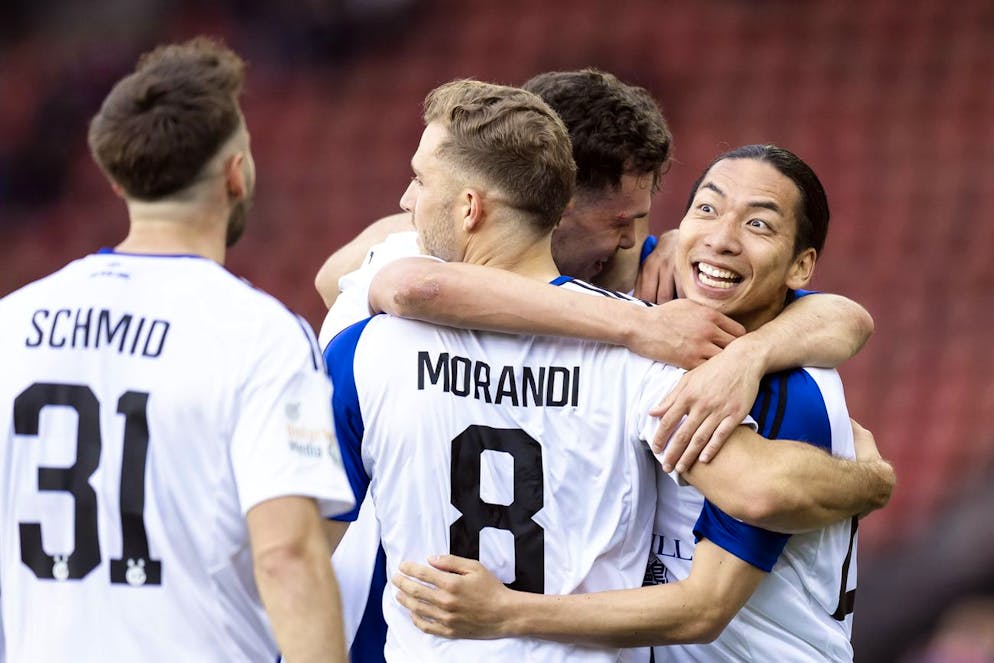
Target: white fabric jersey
[355, 557]
[352, 303]
[527, 453]
[147, 403]
[802, 611]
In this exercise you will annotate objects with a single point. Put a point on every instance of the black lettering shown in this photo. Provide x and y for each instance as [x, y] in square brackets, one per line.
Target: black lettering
[138, 334]
[441, 369]
[576, 386]
[85, 327]
[37, 328]
[536, 389]
[55, 321]
[156, 324]
[481, 376]
[465, 371]
[555, 397]
[507, 386]
[103, 323]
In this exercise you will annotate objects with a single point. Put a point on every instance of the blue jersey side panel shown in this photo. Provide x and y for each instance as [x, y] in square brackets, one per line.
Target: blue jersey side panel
[339, 360]
[789, 406]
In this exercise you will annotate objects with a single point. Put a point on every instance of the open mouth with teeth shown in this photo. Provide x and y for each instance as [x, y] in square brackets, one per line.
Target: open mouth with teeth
[716, 277]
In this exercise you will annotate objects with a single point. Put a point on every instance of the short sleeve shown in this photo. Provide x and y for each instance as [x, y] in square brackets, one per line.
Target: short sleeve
[751, 544]
[352, 304]
[283, 442]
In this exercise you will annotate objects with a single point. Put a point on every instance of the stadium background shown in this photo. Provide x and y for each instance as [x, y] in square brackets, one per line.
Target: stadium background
[891, 102]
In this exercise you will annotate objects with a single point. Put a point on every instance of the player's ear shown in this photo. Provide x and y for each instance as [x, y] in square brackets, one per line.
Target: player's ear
[234, 176]
[802, 269]
[472, 209]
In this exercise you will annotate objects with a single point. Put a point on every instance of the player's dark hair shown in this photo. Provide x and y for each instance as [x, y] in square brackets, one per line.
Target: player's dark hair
[161, 125]
[615, 128]
[813, 213]
[510, 139]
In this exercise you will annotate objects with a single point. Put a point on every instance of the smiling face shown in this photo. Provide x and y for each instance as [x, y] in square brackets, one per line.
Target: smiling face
[735, 250]
[431, 196]
[598, 223]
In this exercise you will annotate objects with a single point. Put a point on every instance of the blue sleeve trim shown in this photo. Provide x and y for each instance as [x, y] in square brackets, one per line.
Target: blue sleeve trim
[794, 295]
[790, 406]
[648, 246]
[339, 361]
[751, 544]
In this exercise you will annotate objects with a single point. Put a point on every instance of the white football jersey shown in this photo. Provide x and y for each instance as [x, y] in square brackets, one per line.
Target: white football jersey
[802, 611]
[527, 453]
[352, 303]
[147, 403]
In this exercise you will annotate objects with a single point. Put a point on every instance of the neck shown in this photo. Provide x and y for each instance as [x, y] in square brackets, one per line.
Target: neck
[530, 259]
[175, 227]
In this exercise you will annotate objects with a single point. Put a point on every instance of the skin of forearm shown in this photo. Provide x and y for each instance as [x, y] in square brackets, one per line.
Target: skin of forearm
[791, 487]
[820, 330]
[695, 609]
[451, 294]
[300, 594]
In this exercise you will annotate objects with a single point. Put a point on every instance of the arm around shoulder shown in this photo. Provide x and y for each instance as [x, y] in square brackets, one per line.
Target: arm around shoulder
[789, 486]
[349, 257]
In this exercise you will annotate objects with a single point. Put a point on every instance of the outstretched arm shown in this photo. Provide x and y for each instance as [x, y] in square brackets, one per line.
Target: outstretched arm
[290, 557]
[463, 600]
[788, 486]
[681, 333]
[817, 330]
[350, 257]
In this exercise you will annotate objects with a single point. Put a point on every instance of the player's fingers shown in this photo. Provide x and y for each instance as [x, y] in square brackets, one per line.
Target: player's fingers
[424, 573]
[430, 626]
[721, 433]
[699, 438]
[729, 326]
[453, 563]
[413, 589]
[721, 338]
[678, 443]
[667, 426]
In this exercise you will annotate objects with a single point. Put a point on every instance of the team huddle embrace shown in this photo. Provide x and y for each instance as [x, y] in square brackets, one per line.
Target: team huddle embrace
[528, 429]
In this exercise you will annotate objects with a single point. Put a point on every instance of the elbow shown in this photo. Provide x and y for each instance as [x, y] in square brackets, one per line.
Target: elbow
[863, 326]
[405, 288]
[707, 626]
[279, 564]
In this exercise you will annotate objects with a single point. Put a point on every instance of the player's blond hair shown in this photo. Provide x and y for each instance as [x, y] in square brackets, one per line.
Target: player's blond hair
[510, 139]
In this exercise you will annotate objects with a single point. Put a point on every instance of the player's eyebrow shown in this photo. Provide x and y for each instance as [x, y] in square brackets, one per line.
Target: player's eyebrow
[714, 187]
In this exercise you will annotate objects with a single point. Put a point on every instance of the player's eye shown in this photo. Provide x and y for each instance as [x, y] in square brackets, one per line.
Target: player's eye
[706, 208]
[759, 224]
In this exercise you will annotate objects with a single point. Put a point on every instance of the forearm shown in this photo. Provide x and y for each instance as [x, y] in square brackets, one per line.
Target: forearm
[788, 486]
[822, 330]
[656, 615]
[471, 296]
[300, 594]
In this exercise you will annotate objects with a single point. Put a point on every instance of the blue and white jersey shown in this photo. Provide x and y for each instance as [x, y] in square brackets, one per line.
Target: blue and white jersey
[527, 453]
[147, 403]
[802, 611]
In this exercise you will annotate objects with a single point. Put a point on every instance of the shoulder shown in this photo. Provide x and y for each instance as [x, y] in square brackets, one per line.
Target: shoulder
[800, 404]
[570, 283]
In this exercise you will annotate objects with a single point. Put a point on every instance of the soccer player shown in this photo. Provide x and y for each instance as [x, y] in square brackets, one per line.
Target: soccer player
[167, 449]
[621, 151]
[525, 452]
[754, 225]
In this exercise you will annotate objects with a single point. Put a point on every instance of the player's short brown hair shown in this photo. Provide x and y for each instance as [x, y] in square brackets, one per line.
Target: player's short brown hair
[512, 140]
[161, 125]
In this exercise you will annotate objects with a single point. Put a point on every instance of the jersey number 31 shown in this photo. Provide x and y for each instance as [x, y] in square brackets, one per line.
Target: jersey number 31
[134, 567]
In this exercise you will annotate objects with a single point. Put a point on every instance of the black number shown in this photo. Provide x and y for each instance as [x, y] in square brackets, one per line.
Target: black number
[74, 480]
[516, 517]
[847, 600]
[135, 567]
